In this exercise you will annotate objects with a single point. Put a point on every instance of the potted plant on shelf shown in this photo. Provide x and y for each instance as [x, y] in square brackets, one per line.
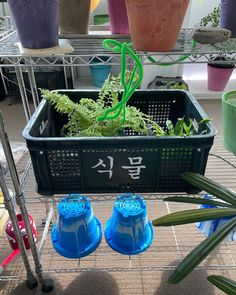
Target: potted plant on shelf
[219, 72]
[223, 15]
[225, 208]
[36, 22]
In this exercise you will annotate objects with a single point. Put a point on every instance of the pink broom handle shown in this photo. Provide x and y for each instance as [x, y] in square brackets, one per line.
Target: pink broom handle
[9, 259]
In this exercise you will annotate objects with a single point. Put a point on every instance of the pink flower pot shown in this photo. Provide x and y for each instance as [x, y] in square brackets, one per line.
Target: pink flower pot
[118, 17]
[218, 77]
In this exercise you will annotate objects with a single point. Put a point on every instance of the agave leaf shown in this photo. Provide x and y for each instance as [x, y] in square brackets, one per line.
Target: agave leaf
[226, 285]
[192, 200]
[195, 257]
[195, 215]
[210, 186]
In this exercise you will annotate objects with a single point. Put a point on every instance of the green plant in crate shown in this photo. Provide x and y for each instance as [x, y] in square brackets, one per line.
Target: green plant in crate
[109, 115]
[226, 207]
[82, 116]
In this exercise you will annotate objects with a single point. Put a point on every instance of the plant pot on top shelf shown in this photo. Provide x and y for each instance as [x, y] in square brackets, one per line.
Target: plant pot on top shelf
[36, 22]
[227, 16]
[74, 16]
[155, 24]
[219, 73]
[118, 17]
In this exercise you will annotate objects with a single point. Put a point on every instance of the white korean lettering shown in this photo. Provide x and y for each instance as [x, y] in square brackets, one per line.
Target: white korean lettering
[135, 167]
[102, 164]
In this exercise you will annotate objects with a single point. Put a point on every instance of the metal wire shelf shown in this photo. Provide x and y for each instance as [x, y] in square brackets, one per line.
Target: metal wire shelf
[170, 246]
[147, 269]
[86, 46]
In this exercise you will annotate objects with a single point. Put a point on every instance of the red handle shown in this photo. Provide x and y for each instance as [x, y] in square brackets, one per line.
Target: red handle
[10, 257]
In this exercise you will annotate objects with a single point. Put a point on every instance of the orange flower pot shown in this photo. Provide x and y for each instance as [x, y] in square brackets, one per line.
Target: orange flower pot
[155, 24]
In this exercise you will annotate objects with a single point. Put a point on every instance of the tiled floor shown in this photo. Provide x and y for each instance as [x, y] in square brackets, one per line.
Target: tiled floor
[106, 272]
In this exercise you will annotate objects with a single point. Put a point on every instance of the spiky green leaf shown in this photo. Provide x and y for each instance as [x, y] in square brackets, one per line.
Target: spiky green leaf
[195, 215]
[210, 186]
[195, 257]
[200, 201]
[226, 285]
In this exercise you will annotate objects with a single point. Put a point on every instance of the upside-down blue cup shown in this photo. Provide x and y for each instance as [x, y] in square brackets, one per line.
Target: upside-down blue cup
[128, 231]
[208, 227]
[77, 232]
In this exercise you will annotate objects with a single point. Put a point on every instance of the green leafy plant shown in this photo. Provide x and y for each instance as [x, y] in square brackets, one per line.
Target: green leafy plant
[177, 85]
[212, 19]
[82, 116]
[183, 128]
[225, 208]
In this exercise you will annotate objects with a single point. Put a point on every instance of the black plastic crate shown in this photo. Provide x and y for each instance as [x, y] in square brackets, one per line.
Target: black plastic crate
[118, 164]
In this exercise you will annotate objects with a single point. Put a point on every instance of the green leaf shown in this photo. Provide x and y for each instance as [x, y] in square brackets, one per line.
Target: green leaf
[192, 200]
[179, 127]
[170, 128]
[210, 186]
[187, 129]
[196, 215]
[205, 120]
[226, 285]
[195, 257]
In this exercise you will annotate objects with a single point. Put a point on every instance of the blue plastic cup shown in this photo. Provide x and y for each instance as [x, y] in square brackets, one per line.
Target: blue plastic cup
[128, 231]
[77, 232]
[99, 72]
[208, 227]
